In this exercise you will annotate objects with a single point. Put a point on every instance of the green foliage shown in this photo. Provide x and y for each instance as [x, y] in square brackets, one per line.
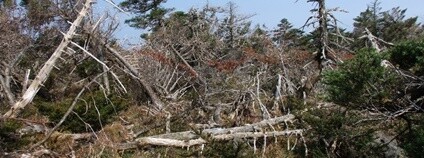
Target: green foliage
[360, 81]
[413, 142]
[149, 13]
[93, 108]
[286, 35]
[7, 3]
[88, 68]
[39, 12]
[409, 55]
[391, 25]
[9, 140]
[334, 133]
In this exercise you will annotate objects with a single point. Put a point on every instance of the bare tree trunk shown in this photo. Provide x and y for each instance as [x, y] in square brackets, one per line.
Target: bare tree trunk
[105, 69]
[42, 75]
[5, 81]
[323, 41]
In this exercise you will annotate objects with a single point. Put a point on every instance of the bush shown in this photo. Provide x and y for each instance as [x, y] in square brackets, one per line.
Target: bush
[414, 142]
[361, 81]
[334, 132]
[409, 56]
[93, 108]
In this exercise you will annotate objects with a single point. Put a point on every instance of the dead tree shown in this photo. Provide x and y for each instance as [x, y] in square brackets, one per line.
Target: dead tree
[325, 19]
[43, 74]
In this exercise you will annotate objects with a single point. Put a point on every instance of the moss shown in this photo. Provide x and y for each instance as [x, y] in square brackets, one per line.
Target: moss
[93, 108]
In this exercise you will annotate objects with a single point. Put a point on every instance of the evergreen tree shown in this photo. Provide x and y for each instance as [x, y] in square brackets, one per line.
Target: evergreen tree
[286, 35]
[395, 27]
[149, 13]
[233, 27]
[368, 19]
[390, 25]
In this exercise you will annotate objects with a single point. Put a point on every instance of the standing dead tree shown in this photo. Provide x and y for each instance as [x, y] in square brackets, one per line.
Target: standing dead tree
[328, 38]
[45, 71]
[326, 21]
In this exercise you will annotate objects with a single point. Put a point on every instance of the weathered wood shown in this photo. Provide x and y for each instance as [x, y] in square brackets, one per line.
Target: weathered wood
[44, 73]
[249, 127]
[169, 142]
[256, 134]
[190, 138]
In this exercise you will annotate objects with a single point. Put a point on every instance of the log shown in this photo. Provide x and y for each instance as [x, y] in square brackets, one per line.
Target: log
[177, 142]
[249, 127]
[190, 138]
[256, 134]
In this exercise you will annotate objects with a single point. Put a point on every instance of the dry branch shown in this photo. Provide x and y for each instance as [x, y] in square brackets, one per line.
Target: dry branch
[155, 99]
[48, 66]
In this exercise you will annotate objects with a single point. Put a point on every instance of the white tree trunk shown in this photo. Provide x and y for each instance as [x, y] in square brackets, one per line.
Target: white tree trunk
[44, 73]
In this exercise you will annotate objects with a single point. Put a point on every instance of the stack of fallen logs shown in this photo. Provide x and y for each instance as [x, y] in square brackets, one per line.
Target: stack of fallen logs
[199, 136]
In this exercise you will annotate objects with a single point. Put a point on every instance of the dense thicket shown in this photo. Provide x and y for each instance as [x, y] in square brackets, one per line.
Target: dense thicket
[345, 93]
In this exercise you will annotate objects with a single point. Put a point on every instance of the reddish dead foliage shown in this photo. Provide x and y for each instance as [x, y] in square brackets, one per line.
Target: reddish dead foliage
[267, 59]
[161, 58]
[229, 65]
[344, 56]
[226, 66]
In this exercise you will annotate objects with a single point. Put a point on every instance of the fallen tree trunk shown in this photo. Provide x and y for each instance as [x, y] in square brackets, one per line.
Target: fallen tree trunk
[249, 127]
[44, 73]
[191, 138]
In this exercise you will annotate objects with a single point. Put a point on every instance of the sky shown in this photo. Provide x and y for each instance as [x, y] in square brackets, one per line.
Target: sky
[270, 12]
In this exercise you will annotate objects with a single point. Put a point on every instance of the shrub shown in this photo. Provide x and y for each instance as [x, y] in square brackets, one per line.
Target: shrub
[409, 55]
[335, 133]
[361, 81]
[413, 142]
[93, 108]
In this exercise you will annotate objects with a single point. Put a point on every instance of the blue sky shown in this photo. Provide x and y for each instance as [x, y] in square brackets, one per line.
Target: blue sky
[270, 12]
